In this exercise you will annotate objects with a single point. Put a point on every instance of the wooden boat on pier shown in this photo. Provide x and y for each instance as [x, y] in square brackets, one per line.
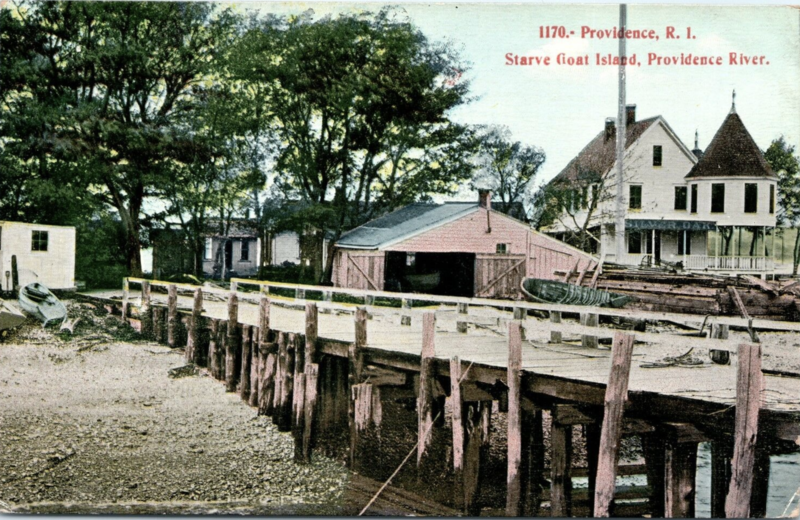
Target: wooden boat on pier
[549, 291]
[39, 302]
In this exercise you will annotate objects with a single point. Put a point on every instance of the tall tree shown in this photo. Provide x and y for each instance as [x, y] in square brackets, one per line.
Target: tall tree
[782, 159]
[102, 86]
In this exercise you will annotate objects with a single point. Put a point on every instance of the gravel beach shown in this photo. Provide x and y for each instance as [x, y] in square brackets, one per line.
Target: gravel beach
[94, 423]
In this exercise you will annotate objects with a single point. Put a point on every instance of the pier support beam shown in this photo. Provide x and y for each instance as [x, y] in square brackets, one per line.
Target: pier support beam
[721, 455]
[244, 375]
[555, 335]
[194, 352]
[355, 366]
[172, 316]
[231, 340]
[146, 312]
[515, 437]
[680, 467]
[589, 320]
[560, 470]
[425, 399]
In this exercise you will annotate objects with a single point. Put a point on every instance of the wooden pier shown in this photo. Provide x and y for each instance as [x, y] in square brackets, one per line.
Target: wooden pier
[325, 365]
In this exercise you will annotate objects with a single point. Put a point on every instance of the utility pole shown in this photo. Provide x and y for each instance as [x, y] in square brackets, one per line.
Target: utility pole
[619, 216]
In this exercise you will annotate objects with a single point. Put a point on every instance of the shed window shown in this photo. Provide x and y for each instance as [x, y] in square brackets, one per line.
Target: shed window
[684, 242]
[680, 198]
[635, 242]
[771, 199]
[694, 198]
[657, 155]
[717, 198]
[750, 198]
[502, 249]
[39, 241]
[245, 250]
[208, 249]
[635, 197]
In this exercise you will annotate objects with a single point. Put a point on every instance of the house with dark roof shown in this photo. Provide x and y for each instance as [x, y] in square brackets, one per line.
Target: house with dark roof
[455, 248]
[712, 210]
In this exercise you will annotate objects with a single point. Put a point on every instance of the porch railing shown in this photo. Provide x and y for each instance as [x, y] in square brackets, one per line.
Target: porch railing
[705, 262]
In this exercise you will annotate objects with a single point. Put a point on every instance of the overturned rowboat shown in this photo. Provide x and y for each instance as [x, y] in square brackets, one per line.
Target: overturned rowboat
[550, 291]
[10, 316]
[39, 302]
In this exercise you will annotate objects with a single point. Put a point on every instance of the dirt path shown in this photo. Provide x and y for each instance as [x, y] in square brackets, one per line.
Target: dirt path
[94, 422]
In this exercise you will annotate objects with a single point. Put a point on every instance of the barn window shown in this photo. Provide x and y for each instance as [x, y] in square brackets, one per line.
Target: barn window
[694, 198]
[680, 198]
[39, 241]
[245, 250]
[717, 198]
[750, 197]
[771, 199]
[684, 242]
[657, 155]
[208, 249]
[635, 242]
[502, 249]
[635, 198]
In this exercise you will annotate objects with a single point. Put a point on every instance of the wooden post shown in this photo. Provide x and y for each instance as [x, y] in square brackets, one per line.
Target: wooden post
[269, 385]
[282, 416]
[473, 453]
[231, 340]
[459, 439]
[749, 385]
[125, 297]
[244, 377]
[312, 329]
[463, 308]
[592, 434]
[298, 413]
[721, 455]
[616, 395]
[680, 465]
[172, 315]
[555, 335]
[222, 343]
[514, 487]
[654, 447]
[312, 375]
[425, 398]
[462, 327]
[369, 299]
[761, 469]
[405, 319]
[157, 325]
[14, 274]
[263, 338]
[355, 366]
[212, 348]
[193, 351]
[533, 461]
[520, 313]
[560, 470]
[146, 312]
[589, 320]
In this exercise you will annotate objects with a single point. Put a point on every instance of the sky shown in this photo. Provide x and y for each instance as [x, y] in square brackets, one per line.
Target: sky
[560, 108]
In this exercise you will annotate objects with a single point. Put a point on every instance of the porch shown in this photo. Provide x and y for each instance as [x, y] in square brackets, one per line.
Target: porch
[702, 262]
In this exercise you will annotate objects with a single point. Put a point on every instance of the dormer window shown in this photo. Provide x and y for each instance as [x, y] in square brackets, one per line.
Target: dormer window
[718, 198]
[657, 155]
[751, 198]
[635, 196]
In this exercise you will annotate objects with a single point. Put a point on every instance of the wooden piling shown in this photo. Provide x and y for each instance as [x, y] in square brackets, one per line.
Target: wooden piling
[312, 376]
[405, 319]
[195, 330]
[284, 384]
[560, 470]
[212, 348]
[172, 316]
[221, 350]
[159, 324]
[269, 370]
[312, 329]
[654, 447]
[244, 376]
[355, 366]
[463, 308]
[260, 357]
[457, 427]
[146, 312]
[520, 313]
[589, 320]
[555, 335]
[616, 395]
[761, 469]
[680, 464]
[125, 298]
[749, 386]
[592, 435]
[231, 340]
[514, 488]
[298, 413]
[721, 455]
[425, 398]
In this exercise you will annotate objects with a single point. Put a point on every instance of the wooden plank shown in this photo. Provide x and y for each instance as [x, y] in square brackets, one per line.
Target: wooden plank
[571, 271]
[761, 284]
[616, 395]
[365, 275]
[737, 299]
[586, 268]
[749, 387]
[172, 316]
[514, 484]
[505, 273]
[597, 271]
[425, 397]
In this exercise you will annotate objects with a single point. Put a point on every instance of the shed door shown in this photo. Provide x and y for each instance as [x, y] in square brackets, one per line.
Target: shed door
[364, 270]
[499, 276]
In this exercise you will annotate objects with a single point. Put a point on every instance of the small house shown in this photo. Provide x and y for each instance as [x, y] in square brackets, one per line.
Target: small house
[456, 248]
[40, 253]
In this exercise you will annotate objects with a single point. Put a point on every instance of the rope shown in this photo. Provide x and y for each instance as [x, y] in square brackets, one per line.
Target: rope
[410, 453]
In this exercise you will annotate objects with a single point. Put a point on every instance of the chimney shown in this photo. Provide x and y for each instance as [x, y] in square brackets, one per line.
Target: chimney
[610, 128]
[485, 199]
[630, 114]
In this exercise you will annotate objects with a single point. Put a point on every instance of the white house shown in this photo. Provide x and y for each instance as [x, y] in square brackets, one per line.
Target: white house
[708, 211]
[43, 253]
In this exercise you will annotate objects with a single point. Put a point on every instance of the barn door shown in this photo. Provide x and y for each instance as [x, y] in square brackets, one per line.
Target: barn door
[364, 271]
[499, 276]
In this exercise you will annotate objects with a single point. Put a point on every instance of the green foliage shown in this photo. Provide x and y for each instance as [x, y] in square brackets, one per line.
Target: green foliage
[99, 256]
[782, 159]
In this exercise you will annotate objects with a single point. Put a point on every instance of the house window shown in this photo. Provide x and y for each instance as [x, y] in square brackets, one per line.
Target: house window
[635, 197]
[717, 198]
[750, 198]
[584, 197]
[245, 250]
[502, 249]
[771, 199]
[680, 198]
[684, 242]
[694, 198]
[634, 242]
[39, 241]
[208, 249]
[657, 155]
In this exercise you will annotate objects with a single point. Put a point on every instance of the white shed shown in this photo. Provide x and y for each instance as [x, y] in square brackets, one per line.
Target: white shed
[45, 254]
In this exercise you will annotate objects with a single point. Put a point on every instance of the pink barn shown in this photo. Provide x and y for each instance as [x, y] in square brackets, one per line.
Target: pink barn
[456, 249]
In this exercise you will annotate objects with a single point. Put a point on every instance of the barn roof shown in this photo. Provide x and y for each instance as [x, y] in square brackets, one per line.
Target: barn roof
[403, 223]
[732, 153]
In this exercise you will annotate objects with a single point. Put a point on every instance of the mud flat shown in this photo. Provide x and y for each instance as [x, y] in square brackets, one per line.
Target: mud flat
[94, 423]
